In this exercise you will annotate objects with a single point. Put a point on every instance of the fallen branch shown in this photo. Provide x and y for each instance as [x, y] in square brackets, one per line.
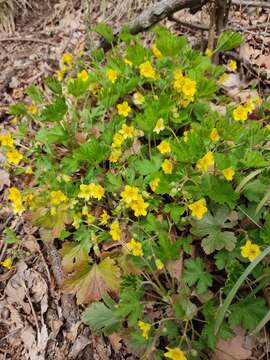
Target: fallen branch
[155, 14]
[43, 41]
[262, 4]
[195, 26]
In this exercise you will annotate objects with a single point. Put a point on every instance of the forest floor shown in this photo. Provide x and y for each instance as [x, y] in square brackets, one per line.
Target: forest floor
[36, 320]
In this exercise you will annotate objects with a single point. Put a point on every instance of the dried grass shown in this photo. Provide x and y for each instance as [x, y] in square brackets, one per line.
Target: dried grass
[8, 11]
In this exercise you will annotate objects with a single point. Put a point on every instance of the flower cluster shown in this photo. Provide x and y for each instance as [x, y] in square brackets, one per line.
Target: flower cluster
[134, 200]
[13, 156]
[16, 199]
[92, 190]
[126, 132]
[185, 86]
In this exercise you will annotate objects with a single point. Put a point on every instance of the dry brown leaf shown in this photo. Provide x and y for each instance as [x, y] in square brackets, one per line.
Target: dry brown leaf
[115, 340]
[232, 349]
[4, 179]
[80, 343]
[175, 268]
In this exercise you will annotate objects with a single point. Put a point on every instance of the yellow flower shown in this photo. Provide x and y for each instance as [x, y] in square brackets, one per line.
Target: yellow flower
[67, 59]
[85, 192]
[18, 208]
[138, 98]
[127, 131]
[14, 194]
[139, 207]
[77, 220]
[104, 217]
[6, 140]
[145, 328]
[128, 62]
[167, 166]
[249, 105]
[57, 197]
[198, 209]
[175, 354]
[250, 251]
[118, 140]
[112, 75]
[147, 70]
[115, 231]
[135, 248]
[28, 170]
[97, 191]
[228, 173]
[257, 100]
[28, 199]
[223, 78]
[115, 155]
[189, 87]
[154, 184]
[185, 136]
[85, 210]
[7, 263]
[90, 219]
[214, 135]
[178, 74]
[209, 52]
[156, 52]
[159, 264]
[164, 147]
[60, 74]
[124, 109]
[130, 193]
[95, 88]
[32, 109]
[205, 162]
[232, 65]
[66, 178]
[14, 157]
[159, 126]
[240, 113]
[83, 75]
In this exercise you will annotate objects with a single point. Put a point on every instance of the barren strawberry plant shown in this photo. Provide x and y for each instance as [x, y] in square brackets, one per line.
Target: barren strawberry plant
[159, 200]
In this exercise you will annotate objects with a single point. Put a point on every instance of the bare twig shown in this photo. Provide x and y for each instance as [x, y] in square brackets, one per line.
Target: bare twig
[196, 26]
[262, 4]
[24, 39]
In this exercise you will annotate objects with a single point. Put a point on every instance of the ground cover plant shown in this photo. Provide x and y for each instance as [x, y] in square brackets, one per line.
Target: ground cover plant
[155, 186]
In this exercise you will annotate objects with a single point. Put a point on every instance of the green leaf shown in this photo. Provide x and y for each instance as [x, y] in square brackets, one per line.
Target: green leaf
[92, 152]
[147, 167]
[104, 30]
[35, 94]
[168, 43]
[54, 85]
[229, 40]
[129, 306]
[167, 249]
[77, 87]
[55, 135]
[55, 111]
[219, 190]
[265, 231]
[18, 109]
[213, 228]
[175, 211]
[10, 236]
[183, 308]
[101, 319]
[194, 274]
[248, 312]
